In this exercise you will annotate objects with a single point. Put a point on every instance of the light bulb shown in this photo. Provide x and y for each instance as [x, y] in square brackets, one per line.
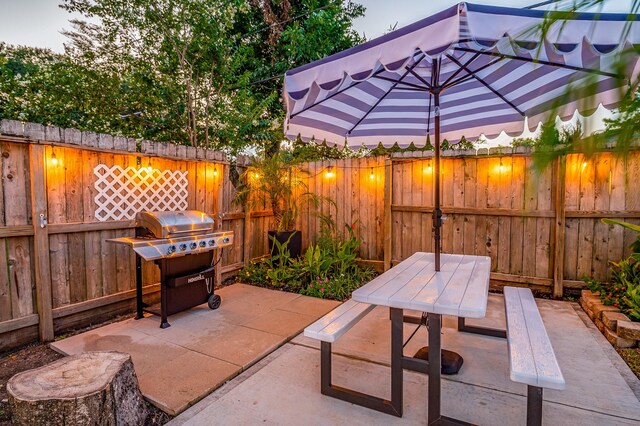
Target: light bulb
[215, 171]
[329, 173]
[372, 176]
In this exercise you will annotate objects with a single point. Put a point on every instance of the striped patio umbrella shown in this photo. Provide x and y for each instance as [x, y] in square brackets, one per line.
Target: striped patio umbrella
[469, 70]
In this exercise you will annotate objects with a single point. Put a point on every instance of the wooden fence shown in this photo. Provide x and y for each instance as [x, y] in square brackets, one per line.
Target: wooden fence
[541, 230]
[61, 273]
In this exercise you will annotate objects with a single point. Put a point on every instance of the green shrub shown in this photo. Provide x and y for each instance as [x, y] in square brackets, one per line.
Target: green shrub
[327, 269]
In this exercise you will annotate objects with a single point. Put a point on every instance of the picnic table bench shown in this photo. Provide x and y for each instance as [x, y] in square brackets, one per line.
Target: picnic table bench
[531, 357]
[328, 329]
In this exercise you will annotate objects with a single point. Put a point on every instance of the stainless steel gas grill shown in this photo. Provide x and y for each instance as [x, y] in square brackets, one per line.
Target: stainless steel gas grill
[181, 244]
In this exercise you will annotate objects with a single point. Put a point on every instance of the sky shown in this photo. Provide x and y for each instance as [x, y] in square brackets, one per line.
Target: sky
[39, 22]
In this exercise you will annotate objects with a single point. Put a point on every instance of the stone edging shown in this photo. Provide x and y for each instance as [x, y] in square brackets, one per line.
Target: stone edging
[619, 330]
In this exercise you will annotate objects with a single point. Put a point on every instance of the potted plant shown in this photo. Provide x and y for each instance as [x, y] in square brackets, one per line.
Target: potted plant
[278, 182]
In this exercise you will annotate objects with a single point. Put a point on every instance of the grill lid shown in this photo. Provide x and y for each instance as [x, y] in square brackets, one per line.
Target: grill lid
[174, 224]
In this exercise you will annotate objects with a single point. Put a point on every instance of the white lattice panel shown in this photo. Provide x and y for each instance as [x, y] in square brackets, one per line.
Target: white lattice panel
[123, 192]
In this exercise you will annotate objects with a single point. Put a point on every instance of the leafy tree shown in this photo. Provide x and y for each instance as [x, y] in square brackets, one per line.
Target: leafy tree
[207, 71]
[41, 86]
[199, 72]
[623, 129]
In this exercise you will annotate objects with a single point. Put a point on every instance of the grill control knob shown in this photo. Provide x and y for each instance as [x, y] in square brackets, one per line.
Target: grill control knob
[225, 240]
[203, 243]
[212, 243]
[183, 247]
[171, 250]
[193, 245]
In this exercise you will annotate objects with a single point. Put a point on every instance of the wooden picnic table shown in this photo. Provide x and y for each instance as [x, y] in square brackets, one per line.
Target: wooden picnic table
[460, 288]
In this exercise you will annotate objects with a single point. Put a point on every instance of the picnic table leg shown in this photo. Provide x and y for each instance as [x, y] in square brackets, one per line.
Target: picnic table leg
[435, 417]
[534, 406]
[139, 303]
[397, 348]
[484, 331]
[435, 324]
[392, 406]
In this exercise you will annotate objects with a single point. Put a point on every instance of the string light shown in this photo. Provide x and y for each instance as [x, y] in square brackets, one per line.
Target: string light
[584, 165]
[501, 165]
[215, 171]
[149, 168]
[329, 174]
[428, 169]
[372, 176]
[54, 160]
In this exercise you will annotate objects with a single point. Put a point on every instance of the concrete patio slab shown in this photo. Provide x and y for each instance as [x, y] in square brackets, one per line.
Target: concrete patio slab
[284, 388]
[282, 323]
[203, 349]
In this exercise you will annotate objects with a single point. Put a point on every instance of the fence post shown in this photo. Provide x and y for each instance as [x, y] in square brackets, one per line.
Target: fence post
[246, 234]
[559, 226]
[37, 167]
[388, 173]
[219, 213]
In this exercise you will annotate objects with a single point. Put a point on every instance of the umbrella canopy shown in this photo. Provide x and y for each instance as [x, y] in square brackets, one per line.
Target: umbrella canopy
[466, 71]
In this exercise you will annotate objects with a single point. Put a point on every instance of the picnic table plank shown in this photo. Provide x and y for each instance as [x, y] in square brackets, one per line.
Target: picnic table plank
[474, 302]
[547, 368]
[451, 299]
[531, 356]
[365, 291]
[334, 324]
[420, 272]
[521, 362]
[430, 293]
[414, 284]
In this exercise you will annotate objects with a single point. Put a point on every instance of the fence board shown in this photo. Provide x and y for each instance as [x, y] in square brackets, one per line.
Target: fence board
[59, 243]
[615, 249]
[505, 190]
[17, 189]
[76, 275]
[585, 226]
[5, 289]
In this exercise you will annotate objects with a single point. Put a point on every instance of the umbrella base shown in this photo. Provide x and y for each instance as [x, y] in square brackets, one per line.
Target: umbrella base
[451, 362]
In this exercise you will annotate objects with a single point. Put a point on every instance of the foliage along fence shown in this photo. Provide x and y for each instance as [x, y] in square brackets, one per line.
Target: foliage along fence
[543, 231]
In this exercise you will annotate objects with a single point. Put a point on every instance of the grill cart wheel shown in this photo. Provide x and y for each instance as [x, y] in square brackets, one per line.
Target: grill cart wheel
[214, 301]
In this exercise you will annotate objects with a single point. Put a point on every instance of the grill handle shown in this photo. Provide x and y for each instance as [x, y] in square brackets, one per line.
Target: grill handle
[187, 231]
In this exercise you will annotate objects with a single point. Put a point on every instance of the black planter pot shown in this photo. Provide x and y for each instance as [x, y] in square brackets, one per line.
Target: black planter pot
[295, 241]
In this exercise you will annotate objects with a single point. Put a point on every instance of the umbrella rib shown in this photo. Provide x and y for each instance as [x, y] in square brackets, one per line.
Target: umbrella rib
[410, 69]
[543, 62]
[416, 75]
[416, 86]
[488, 86]
[469, 77]
[332, 95]
[459, 70]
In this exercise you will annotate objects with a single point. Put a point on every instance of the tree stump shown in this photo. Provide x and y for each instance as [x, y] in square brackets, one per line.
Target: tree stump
[92, 388]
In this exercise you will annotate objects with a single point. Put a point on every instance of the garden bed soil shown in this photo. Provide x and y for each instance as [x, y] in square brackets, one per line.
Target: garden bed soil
[632, 358]
[38, 354]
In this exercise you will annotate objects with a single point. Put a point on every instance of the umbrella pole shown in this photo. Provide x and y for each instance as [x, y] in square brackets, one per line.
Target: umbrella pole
[437, 213]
